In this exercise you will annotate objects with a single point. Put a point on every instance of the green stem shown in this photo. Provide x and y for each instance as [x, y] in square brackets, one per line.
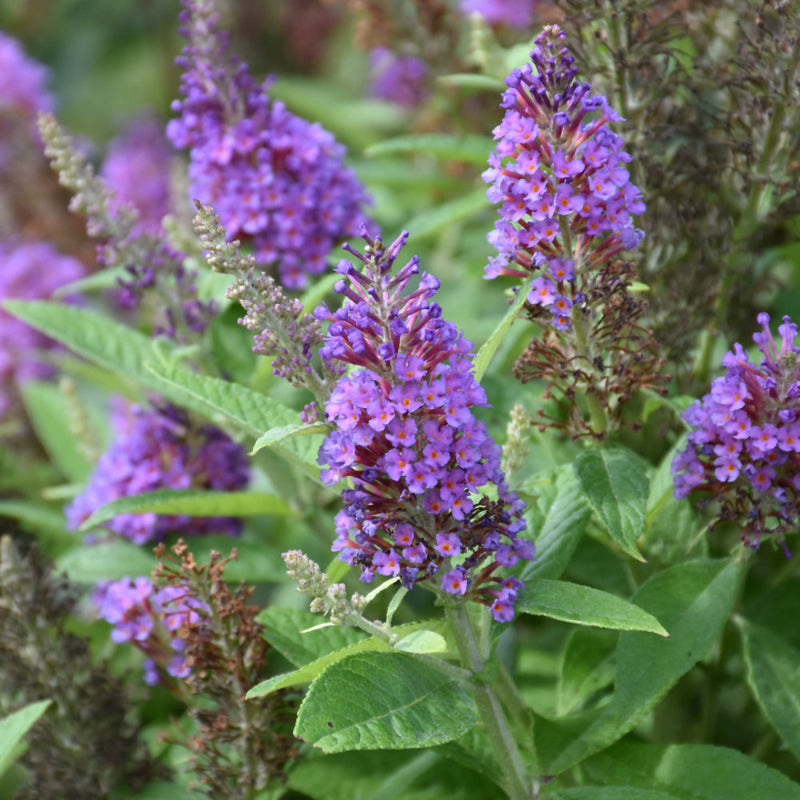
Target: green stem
[518, 783]
[580, 325]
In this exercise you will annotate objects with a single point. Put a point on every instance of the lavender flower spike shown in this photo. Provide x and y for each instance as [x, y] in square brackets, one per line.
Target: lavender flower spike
[419, 460]
[567, 201]
[276, 180]
[162, 449]
[744, 448]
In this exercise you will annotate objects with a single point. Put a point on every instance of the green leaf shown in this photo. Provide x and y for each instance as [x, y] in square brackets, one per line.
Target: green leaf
[484, 357]
[276, 435]
[616, 484]
[106, 561]
[446, 213]
[672, 527]
[160, 790]
[94, 336]
[283, 628]
[472, 80]
[107, 278]
[135, 357]
[308, 672]
[14, 727]
[36, 517]
[251, 411]
[773, 673]
[778, 608]
[192, 502]
[556, 520]
[415, 637]
[692, 600]
[587, 666]
[465, 147]
[583, 605]
[610, 793]
[422, 641]
[692, 771]
[47, 411]
[384, 701]
[387, 775]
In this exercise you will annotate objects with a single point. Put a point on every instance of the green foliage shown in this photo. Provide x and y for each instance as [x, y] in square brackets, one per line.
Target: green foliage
[680, 654]
[692, 601]
[616, 485]
[13, 729]
[583, 605]
[773, 674]
[195, 502]
[384, 701]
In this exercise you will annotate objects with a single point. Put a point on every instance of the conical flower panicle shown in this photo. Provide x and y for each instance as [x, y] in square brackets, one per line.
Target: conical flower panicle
[566, 216]
[421, 464]
[276, 180]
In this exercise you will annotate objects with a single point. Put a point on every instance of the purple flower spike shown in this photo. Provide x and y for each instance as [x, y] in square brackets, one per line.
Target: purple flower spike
[567, 201]
[398, 79]
[137, 169]
[162, 449]
[407, 438]
[744, 448]
[513, 13]
[277, 181]
[146, 617]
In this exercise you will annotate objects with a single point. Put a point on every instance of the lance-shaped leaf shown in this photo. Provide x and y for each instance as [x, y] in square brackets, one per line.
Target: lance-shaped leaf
[693, 601]
[616, 484]
[94, 336]
[583, 605]
[14, 727]
[415, 637]
[386, 701]
[251, 411]
[278, 435]
[281, 626]
[556, 519]
[444, 214]
[191, 502]
[485, 354]
[465, 147]
[697, 771]
[773, 672]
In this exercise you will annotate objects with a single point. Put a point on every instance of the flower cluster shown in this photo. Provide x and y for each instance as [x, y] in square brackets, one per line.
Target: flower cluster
[745, 444]
[559, 172]
[149, 618]
[407, 437]
[276, 180]
[30, 271]
[136, 169]
[398, 79]
[162, 449]
[23, 81]
[567, 214]
[514, 13]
